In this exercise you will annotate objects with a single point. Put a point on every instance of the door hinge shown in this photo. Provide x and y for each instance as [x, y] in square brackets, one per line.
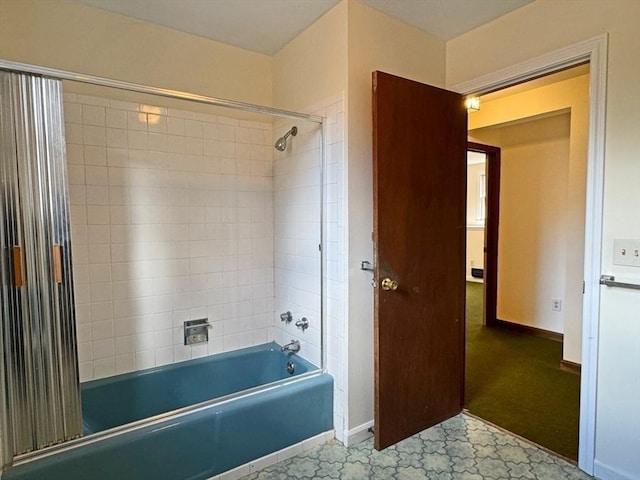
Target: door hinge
[583, 287]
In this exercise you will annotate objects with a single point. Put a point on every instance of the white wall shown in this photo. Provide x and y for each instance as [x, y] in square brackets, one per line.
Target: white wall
[533, 221]
[545, 26]
[172, 220]
[571, 95]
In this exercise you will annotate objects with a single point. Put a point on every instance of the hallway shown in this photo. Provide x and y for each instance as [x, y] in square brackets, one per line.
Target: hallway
[514, 380]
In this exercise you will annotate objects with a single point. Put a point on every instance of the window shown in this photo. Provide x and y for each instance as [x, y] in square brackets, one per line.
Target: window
[481, 205]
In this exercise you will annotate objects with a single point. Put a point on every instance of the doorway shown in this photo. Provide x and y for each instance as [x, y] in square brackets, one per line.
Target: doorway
[594, 52]
[528, 329]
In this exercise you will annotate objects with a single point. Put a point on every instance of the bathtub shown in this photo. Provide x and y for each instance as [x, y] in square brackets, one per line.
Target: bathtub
[221, 432]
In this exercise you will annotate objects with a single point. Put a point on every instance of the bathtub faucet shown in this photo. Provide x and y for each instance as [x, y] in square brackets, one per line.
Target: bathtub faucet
[294, 347]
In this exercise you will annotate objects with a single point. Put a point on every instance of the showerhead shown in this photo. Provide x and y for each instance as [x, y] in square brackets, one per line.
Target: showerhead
[281, 143]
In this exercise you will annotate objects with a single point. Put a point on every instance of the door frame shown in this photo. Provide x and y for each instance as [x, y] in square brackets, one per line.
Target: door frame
[492, 220]
[594, 51]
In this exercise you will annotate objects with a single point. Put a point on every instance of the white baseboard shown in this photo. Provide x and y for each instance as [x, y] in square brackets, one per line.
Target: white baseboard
[279, 456]
[358, 434]
[606, 472]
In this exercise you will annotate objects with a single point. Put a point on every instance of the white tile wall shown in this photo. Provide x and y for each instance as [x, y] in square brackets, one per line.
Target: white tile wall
[297, 197]
[335, 266]
[296, 181]
[172, 220]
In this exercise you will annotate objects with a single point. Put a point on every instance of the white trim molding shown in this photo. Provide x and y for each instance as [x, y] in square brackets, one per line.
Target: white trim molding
[358, 434]
[593, 51]
[606, 472]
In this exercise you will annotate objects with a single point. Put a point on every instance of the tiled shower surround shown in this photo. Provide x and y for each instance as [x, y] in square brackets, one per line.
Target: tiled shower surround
[297, 196]
[297, 276]
[172, 220]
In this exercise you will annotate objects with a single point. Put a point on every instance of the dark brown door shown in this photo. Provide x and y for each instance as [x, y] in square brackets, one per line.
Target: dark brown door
[490, 230]
[419, 178]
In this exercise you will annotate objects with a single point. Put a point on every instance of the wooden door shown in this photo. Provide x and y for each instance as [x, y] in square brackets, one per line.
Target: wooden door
[419, 189]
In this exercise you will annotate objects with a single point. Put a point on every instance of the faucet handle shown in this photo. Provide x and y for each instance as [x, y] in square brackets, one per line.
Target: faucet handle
[303, 323]
[286, 317]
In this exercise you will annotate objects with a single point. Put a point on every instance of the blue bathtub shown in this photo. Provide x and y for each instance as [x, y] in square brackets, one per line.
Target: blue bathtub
[200, 443]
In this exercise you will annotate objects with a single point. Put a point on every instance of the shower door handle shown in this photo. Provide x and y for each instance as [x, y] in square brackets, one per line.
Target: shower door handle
[57, 263]
[16, 253]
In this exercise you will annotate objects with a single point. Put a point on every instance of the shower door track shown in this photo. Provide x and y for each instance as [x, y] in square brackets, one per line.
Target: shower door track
[164, 92]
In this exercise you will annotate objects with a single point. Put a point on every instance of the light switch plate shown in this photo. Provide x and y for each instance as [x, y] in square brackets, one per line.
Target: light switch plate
[626, 252]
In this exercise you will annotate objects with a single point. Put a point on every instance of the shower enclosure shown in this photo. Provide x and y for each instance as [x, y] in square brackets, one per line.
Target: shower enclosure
[144, 228]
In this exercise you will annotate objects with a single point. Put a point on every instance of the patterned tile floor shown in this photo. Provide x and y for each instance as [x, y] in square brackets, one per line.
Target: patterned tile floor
[462, 448]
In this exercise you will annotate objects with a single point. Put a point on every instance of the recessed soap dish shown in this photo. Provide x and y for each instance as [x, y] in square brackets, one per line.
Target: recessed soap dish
[196, 332]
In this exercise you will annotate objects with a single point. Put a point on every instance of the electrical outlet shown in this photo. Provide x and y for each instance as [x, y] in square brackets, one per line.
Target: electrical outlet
[626, 252]
[556, 305]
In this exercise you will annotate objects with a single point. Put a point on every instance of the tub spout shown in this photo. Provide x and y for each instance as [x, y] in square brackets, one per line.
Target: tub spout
[294, 347]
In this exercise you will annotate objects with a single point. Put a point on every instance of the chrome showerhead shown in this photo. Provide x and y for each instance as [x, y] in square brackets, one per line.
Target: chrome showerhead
[281, 143]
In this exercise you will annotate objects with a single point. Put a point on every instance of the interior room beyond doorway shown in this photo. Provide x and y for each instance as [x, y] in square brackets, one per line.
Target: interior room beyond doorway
[541, 127]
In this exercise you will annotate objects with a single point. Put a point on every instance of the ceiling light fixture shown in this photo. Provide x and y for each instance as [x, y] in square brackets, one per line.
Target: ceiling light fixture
[472, 104]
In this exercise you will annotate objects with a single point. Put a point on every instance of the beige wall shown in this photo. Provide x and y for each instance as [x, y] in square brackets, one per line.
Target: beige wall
[313, 66]
[336, 56]
[533, 212]
[539, 28]
[71, 36]
[376, 42]
[572, 96]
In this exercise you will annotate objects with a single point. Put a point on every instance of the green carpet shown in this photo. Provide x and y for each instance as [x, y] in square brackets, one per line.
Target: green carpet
[514, 381]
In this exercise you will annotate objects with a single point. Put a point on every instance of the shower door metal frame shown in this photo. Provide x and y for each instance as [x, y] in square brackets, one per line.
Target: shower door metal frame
[41, 404]
[163, 92]
[206, 100]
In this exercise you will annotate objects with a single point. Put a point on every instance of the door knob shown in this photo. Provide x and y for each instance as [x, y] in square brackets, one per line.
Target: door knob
[388, 284]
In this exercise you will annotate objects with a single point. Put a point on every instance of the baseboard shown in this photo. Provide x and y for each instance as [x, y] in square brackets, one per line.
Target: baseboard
[558, 337]
[276, 457]
[570, 367]
[606, 472]
[358, 434]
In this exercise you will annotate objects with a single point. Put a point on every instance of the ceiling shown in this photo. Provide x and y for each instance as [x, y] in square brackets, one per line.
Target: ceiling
[265, 26]
[446, 19]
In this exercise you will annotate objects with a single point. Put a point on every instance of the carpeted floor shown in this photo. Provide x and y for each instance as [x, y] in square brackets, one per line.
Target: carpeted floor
[514, 381]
